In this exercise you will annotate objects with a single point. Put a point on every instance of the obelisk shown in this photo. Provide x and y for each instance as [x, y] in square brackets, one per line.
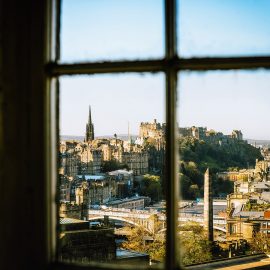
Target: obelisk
[208, 206]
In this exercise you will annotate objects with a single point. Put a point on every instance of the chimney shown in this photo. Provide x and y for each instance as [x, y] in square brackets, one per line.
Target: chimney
[208, 206]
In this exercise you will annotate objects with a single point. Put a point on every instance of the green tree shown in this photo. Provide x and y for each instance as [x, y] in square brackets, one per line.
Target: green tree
[197, 155]
[151, 187]
[112, 165]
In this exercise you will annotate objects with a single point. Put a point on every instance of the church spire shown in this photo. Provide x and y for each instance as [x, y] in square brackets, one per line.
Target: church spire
[89, 116]
[89, 134]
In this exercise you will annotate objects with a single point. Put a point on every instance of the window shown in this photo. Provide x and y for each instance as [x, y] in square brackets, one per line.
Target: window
[170, 66]
[28, 114]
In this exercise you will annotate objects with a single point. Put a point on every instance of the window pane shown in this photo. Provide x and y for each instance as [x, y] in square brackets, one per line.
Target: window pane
[223, 28]
[111, 30]
[224, 140]
[111, 170]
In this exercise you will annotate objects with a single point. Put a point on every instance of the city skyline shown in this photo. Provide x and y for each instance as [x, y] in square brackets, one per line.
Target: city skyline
[231, 99]
[223, 101]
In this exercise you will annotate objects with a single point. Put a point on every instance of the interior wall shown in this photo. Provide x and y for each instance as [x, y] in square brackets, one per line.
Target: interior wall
[22, 142]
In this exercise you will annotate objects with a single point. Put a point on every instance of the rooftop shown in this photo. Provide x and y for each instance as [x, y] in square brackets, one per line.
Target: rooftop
[71, 221]
[124, 172]
[92, 177]
[124, 253]
[126, 200]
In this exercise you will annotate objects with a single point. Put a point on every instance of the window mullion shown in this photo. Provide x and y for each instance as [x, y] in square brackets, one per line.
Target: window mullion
[172, 187]
[172, 190]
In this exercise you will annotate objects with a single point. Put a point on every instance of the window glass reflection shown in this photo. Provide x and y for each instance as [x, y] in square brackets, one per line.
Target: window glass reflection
[111, 169]
[224, 147]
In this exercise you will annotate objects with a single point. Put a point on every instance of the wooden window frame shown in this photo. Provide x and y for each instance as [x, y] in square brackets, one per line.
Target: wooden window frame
[170, 65]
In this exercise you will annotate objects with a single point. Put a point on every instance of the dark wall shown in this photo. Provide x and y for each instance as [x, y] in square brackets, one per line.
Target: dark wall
[23, 225]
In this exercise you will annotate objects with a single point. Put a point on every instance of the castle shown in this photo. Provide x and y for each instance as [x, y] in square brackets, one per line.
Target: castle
[211, 135]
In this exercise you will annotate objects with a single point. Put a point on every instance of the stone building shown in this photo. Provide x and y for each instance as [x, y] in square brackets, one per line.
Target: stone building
[79, 158]
[122, 183]
[65, 187]
[69, 163]
[241, 175]
[93, 190]
[106, 152]
[152, 137]
[130, 203]
[137, 161]
[127, 153]
[262, 170]
[70, 210]
[201, 133]
[246, 216]
[152, 130]
[83, 244]
[237, 134]
[90, 159]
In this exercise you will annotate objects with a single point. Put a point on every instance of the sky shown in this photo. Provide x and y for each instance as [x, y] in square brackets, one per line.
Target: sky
[222, 100]
[117, 101]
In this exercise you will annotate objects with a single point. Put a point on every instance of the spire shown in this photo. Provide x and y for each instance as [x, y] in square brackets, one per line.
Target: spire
[89, 134]
[89, 116]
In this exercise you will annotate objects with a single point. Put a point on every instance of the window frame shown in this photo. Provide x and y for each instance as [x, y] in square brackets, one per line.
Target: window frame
[170, 65]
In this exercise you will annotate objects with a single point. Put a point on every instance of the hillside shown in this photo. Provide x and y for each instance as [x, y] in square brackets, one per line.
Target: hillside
[197, 155]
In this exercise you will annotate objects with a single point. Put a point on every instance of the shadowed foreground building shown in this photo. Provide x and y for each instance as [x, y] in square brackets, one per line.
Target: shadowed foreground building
[78, 242]
[81, 242]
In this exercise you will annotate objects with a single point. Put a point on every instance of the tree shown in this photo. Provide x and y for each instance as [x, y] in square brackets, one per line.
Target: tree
[135, 239]
[194, 245]
[151, 187]
[196, 155]
[112, 165]
[143, 241]
[260, 243]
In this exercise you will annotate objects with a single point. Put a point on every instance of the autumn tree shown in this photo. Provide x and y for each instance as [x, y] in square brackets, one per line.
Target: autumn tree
[141, 240]
[260, 243]
[195, 248]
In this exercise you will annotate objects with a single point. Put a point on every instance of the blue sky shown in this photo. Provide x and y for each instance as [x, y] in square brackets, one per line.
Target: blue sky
[94, 31]
[224, 27]
[226, 100]
[115, 100]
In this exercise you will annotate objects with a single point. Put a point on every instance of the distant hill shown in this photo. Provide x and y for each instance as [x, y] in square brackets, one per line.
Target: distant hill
[265, 143]
[81, 138]
[71, 137]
